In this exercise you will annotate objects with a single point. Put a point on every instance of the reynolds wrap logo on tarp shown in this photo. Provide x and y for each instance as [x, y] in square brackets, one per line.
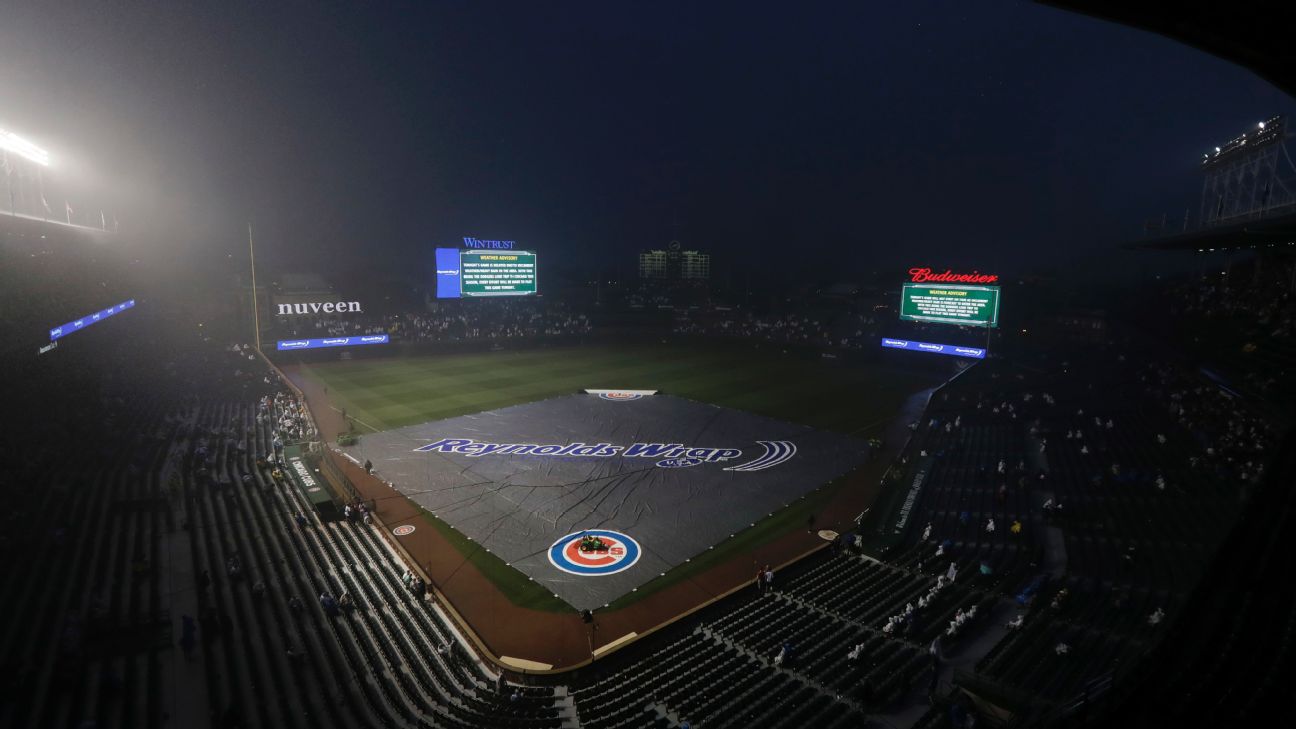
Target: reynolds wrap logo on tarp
[666, 455]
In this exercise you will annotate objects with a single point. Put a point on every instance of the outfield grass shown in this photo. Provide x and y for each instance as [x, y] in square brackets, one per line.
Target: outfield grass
[392, 393]
[386, 394]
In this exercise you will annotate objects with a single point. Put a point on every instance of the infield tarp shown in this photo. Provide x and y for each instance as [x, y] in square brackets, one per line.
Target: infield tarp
[518, 505]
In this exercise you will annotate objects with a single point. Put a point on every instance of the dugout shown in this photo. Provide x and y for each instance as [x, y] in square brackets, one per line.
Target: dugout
[302, 471]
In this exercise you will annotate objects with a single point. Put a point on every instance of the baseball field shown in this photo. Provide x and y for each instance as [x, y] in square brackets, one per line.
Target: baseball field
[381, 395]
[391, 393]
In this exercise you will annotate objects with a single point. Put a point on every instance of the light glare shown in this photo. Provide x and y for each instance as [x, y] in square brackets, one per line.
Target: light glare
[11, 142]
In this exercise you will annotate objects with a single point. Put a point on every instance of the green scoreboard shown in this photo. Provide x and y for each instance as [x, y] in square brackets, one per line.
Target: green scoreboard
[497, 273]
[976, 306]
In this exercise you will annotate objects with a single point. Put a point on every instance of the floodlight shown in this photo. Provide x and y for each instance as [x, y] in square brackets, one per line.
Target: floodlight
[11, 142]
[1262, 125]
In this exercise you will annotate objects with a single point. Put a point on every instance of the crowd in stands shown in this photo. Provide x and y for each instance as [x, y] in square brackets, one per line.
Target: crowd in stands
[789, 328]
[1118, 471]
[1243, 321]
[486, 319]
[1262, 299]
[838, 327]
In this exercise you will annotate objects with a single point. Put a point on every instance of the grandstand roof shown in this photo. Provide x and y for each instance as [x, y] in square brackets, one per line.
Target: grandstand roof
[1236, 32]
[1262, 233]
[1240, 32]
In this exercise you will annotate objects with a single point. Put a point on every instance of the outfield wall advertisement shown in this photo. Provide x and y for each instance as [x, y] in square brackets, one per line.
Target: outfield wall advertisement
[289, 344]
[933, 348]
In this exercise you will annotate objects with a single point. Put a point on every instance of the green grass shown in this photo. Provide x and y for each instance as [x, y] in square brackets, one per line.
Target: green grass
[392, 393]
[386, 394]
[515, 585]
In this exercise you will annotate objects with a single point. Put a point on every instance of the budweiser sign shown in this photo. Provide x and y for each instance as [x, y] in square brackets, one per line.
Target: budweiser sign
[926, 275]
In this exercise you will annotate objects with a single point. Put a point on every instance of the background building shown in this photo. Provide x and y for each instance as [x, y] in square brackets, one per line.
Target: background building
[674, 264]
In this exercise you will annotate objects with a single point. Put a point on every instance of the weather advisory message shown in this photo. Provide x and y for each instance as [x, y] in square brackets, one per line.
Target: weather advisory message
[497, 273]
[969, 305]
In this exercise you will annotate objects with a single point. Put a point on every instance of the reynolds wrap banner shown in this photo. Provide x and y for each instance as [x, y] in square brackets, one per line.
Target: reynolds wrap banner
[286, 344]
[88, 319]
[950, 349]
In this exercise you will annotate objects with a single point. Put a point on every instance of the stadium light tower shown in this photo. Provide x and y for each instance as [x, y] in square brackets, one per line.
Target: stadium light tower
[11, 142]
[1249, 177]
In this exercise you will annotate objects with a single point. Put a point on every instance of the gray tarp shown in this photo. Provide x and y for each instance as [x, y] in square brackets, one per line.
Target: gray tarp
[518, 505]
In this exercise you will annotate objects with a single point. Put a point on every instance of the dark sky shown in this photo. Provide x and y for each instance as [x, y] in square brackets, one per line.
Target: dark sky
[993, 135]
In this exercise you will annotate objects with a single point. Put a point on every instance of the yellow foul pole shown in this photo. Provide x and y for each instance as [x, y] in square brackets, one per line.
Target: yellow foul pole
[256, 316]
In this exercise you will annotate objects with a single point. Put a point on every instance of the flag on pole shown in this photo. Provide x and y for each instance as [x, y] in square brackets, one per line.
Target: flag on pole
[68, 206]
[45, 203]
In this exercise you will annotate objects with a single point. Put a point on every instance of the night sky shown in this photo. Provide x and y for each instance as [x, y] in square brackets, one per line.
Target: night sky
[1000, 136]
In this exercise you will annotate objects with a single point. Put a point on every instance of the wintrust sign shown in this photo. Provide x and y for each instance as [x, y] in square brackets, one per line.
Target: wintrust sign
[470, 242]
[340, 307]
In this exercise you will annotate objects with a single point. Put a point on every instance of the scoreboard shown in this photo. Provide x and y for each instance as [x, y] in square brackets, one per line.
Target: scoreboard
[968, 305]
[497, 273]
[476, 273]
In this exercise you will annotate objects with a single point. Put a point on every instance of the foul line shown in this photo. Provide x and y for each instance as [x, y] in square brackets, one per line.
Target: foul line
[358, 420]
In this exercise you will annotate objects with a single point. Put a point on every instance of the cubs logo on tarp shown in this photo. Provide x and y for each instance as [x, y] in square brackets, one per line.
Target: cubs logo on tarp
[619, 396]
[615, 552]
[403, 530]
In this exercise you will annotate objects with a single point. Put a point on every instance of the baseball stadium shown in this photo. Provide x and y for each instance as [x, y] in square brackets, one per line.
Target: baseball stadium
[522, 367]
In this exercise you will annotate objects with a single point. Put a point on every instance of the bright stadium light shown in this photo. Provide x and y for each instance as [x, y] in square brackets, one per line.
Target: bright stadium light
[11, 142]
[1262, 125]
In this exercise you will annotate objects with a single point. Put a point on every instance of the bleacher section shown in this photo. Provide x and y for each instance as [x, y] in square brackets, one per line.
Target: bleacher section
[1124, 479]
[390, 660]
[724, 672]
[86, 624]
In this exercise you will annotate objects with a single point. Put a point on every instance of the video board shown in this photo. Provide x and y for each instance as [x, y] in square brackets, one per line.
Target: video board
[976, 306]
[472, 273]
